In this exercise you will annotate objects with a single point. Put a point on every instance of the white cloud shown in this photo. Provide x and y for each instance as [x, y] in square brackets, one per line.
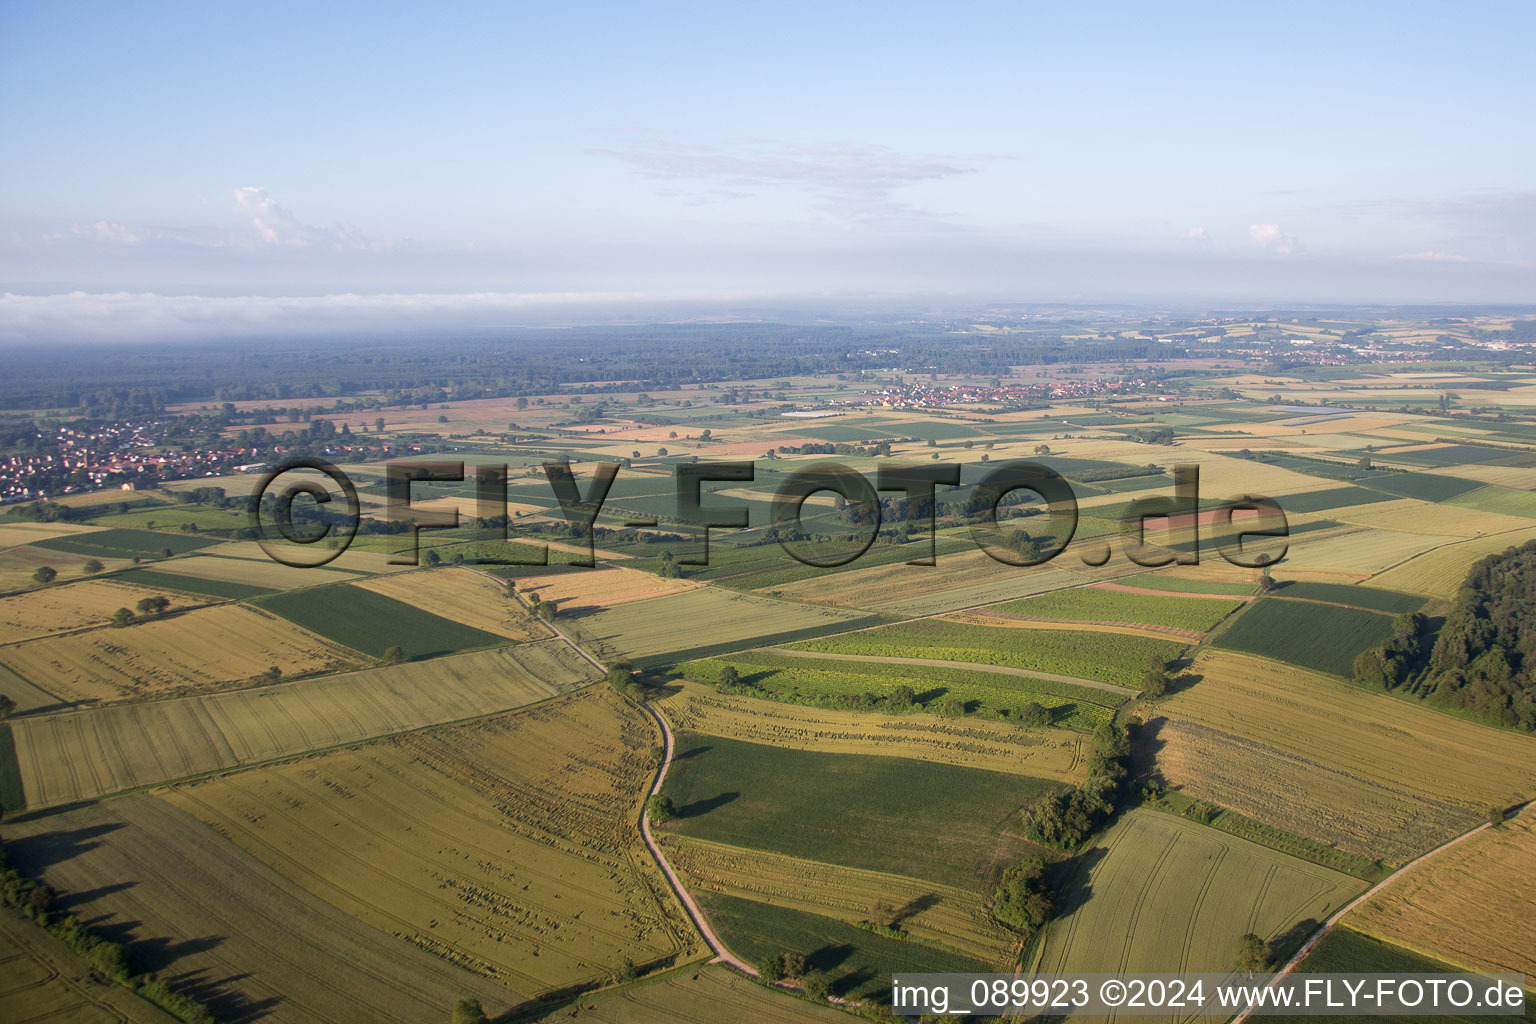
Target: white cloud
[275, 226]
[1270, 238]
[98, 231]
[1196, 236]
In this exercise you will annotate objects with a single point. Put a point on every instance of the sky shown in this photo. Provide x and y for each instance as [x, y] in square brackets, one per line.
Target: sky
[172, 169]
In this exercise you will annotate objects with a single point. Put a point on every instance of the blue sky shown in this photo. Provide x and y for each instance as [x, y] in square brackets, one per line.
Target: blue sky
[1339, 151]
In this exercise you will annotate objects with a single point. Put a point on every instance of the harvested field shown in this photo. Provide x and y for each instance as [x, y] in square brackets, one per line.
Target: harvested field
[466, 597]
[1196, 889]
[507, 846]
[1439, 573]
[199, 649]
[576, 589]
[218, 923]
[713, 993]
[1111, 657]
[1106, 606]
[217, 589]
[685, 623]
[1358, 553]
[1322, 637]
[12, 534]
[42, 980]
[1471, 906]
[58, 609]
[89, 753]
[1379, 776]
[1409, 516]
[124, 543]
[17, 564]
[372, 623]
[848, 809]
[253, 572]
[942, 915]
[970, 743]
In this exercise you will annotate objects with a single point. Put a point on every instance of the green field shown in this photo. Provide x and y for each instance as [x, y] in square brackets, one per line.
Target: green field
[821, 682]
[1323, 637]
[373, 623]
[1092, 604]
[1509, 501]
[1180, 585]
[1370, 598]
[858, 963]
[124, 543]
[156, 579]
[859, 810]
[1425, 486]
[1110, 657]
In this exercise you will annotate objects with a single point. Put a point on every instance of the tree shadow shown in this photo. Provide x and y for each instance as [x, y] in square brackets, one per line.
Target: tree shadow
[221, 996]
[913, 907]
[683, 755]
[33, 854]
[830, 957]
[1284, 946]
[702, 807]
[1068, 879]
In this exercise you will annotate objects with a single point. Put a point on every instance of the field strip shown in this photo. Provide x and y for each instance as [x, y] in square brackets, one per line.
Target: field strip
[1139, 628]
[1125, 588]
[1327, 926]
[969, 666]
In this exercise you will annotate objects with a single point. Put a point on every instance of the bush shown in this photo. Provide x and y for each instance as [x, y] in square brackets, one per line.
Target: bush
[661, 808]
[469, 1011]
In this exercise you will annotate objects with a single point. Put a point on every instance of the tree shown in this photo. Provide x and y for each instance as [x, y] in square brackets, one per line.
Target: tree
[1033, 715]
[149, 606]
[7, 707]
[628, 971]
[378, 424]
[91, 567]
[1495, 814]
[1251, 955]
[469, 1011]
[393, 656]
[660, 808]
[1021, 900]
[817, 985]
[45, 574]
[122, 617]
[1155, 680]
[729, 676]
[433, 558]
[662, 451]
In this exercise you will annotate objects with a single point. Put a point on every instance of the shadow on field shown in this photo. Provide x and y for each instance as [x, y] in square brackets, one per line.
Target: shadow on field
[34, 854]
[702, 807]
[913, 907]
[1145, 746]
[227, 1003]
[683, 755]
[1282, 947]
[1073, 889]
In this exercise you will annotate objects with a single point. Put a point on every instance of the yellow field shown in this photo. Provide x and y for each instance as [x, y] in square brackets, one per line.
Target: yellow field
[507, 846]
[1439, 573]
[1410, 516]
[1471, 906]
[942, 914]
[1507, 476]
[17, 564]
[259, 571]
[202, 648]
[598, 587]
[714, 993]
[83, 754]
[1357, 553]
[1376, 775]
[12, 534]
[57, 609]
[695, 618]
[962, 580]
[462, 595]
[971, 742]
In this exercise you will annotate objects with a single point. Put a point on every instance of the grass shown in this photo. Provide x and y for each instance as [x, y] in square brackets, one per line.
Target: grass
[1326, 638]
[153, 578]
[860, 964]
[1193, 889]
[373, 623]
[1109, 657]
[98, 751]
[821, 682]
[506, 846]
[1092, 604]
[1370, 598]
[968, 742]
[1323, 758]
[860, 811]
[124, 543]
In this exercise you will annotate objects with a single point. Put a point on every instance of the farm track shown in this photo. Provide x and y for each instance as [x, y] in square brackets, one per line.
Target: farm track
[1328, 925]
[969, 666]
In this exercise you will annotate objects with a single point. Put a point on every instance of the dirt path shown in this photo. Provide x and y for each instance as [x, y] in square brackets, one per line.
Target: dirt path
[1126, 588]
[1327, 926]
[972, 666]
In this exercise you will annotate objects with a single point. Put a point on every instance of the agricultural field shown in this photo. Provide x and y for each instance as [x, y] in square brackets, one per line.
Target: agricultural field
[1507, 501]
[226, 590]
[219, 923]
[859, 963]
[709, 993]
[203, 648]
[699, 622]
[1308, 634]
[1356, 554]
[259, 571]
[78, 755]
[19, 563]
[1485, 879]
[1107, 606]
[798, 677]
[124, 543]
[65, 607]
[1439, 572]
[604, 586]
[43, 980]
[464, 596]
[367, 621]
[969, 743]
[1205, 583]
[507, 846]
[941, 915]
[1201, 887]
[845, 809]
[1112, 658]
[1379, 776]
[13, 534]
[1368, 598]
